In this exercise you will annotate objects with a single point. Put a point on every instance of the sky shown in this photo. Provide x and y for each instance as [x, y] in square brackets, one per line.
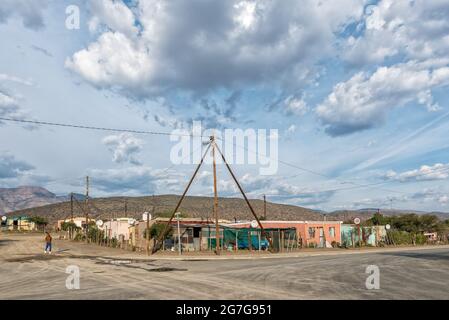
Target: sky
[357, 90]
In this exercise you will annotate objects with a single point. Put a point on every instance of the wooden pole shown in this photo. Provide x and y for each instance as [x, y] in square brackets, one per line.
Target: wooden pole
[147, 233]
[245, 197]
[71, 216]
[87, 208]
[126, 208]
[264, 207]
[162, 235]
[217, 227]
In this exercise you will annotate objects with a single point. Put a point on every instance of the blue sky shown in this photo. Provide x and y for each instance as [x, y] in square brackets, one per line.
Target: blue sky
[357, 90]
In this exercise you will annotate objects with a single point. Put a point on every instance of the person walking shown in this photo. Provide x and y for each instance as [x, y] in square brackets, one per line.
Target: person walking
[48, 240]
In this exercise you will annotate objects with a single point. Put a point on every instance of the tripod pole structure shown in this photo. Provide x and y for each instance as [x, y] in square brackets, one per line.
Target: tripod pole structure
[164, 232]
[246, 199]
[217, 227]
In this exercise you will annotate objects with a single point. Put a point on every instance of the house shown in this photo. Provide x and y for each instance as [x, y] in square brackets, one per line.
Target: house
[194, 233]
[118, 228]
[431, 236]
[308, 233]
[19, 223]
[352, 235]
[80, 222]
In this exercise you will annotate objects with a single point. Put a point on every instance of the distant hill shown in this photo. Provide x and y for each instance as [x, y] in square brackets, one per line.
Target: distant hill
[229, 208]
[364, 214]
[37, 201]
[12, 199]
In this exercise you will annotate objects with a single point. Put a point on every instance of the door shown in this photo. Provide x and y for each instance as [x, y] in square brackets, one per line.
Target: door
[322, 244]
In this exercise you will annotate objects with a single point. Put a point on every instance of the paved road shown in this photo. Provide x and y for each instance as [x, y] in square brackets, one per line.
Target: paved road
[25, 273]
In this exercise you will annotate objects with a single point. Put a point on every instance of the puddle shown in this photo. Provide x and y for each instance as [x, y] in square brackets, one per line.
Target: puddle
[165, 269]
[194, 260]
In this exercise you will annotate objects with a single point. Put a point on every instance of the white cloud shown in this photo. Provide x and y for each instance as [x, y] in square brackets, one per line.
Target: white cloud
[11, 78]
[29, 11]
[135, 180]
[295, 106]
[291, 129]
[10, 167]
[115, 15]
[124, 147]
[200, 45]
[438, 171]
[363, 101]
[417, 29]
[10, 107]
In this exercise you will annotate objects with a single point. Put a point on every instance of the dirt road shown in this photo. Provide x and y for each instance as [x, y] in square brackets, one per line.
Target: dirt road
[26, 273]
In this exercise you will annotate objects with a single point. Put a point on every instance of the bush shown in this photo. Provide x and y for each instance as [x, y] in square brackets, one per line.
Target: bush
[79, 237]
[156, 229]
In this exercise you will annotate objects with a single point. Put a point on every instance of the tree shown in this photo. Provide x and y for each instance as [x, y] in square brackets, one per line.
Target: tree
[378, 220]
[156, 230]
[39, 221]
[66, 226]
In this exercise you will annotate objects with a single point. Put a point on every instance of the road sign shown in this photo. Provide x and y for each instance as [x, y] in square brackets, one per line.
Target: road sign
[357, 220]
[254, 224]
[99, 223]
[388, 227]
[4, 218]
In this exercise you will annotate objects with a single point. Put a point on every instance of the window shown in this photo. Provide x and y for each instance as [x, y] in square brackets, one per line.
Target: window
[311, 232]
[332, 231]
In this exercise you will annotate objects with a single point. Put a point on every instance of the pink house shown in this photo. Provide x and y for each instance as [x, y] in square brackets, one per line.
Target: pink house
[311, 233]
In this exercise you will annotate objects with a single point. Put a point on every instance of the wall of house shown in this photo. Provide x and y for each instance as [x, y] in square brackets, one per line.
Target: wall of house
[302, 230]
[114, 229]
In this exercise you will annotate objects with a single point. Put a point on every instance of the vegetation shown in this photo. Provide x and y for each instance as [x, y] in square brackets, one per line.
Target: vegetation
[66, 226]
[156, 230]
[410, 228]
[40, 222]
[411, 223]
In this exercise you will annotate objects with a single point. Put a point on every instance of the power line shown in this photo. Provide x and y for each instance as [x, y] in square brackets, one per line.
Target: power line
[356, 185]
[318, 173]
[57, 124]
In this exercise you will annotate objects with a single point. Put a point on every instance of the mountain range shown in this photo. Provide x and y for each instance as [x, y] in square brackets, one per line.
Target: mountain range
[38, 201]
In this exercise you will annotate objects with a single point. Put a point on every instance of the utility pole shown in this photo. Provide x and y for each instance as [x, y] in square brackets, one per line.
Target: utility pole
[147, 232]
[264, 207]
[71, 216]
[71, 206]
[179, 233]
[87, 207]
[126, 208]
[217, 228]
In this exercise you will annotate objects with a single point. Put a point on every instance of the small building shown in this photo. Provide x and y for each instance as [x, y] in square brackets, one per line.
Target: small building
[80, 222]
[431, 236]
[19, 223]
[353, 235]
[118, 228]
[308, 233]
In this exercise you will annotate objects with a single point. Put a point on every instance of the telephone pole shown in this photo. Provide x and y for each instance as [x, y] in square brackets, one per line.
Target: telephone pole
[71, 216]
[87, 207]
[126, 208]
[264, 207]
[71, 206]
[217, 228]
